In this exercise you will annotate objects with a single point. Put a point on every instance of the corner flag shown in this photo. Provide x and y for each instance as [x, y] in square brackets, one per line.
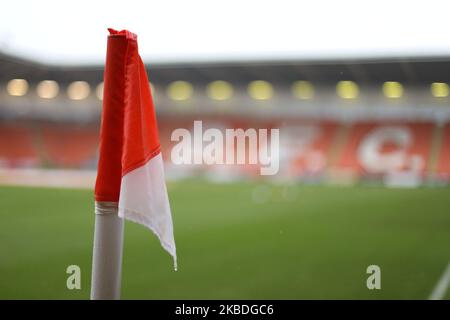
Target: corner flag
[130, 180]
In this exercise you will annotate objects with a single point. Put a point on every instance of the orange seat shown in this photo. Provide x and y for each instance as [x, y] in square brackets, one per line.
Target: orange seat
[69, 146]
[444, 152]
[16, 146]
[371, 147]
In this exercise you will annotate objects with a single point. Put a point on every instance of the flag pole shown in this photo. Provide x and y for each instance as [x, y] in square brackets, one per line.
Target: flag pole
[130, 165]
[107, 255]
[108, 234]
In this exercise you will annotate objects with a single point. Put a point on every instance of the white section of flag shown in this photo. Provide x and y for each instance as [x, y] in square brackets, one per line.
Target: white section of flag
[143, 199]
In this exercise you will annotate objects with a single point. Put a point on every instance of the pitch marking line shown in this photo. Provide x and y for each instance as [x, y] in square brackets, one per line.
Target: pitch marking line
[441, 287]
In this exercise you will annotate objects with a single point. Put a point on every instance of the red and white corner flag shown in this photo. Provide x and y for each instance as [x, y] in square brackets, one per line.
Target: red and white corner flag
[130, 178]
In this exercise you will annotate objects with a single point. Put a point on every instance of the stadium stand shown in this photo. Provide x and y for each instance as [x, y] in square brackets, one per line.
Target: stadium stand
[361, 118]
[443, 167]
[16, 147]
[69, 146]
[377, 148]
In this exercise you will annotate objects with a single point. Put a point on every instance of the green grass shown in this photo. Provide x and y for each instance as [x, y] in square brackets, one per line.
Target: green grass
[301, 242]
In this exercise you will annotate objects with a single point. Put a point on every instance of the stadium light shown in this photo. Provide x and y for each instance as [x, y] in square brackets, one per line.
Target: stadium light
[78, 90]
[439, 89]
[180, 90]
[99, 91]
[17, 87]
[219, 90]
[392, 89]
[47, 89]
[303, 90]
[260, 90]
[347, 89]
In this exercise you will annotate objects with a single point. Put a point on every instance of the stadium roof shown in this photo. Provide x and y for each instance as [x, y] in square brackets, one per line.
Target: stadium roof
[407, 70]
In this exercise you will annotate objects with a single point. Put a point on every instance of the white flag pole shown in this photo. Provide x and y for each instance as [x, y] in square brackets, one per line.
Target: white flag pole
[107, 256]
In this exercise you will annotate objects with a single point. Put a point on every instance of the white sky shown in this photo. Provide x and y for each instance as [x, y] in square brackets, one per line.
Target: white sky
[74, 32]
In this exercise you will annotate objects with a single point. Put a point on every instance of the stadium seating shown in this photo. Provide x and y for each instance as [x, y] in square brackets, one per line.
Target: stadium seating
[69, 146]
[377, 148]
[16, 146]
[307, 148]
[443, 167]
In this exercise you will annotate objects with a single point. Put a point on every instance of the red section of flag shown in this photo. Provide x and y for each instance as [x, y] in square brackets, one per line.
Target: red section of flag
[128, 135]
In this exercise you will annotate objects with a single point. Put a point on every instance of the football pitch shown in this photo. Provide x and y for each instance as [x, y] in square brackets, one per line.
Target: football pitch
[236, 241]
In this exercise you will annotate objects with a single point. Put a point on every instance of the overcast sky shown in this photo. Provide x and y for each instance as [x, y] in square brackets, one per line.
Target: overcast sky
[74, 32]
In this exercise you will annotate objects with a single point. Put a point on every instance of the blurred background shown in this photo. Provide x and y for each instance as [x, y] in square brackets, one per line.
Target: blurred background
[360, 94]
